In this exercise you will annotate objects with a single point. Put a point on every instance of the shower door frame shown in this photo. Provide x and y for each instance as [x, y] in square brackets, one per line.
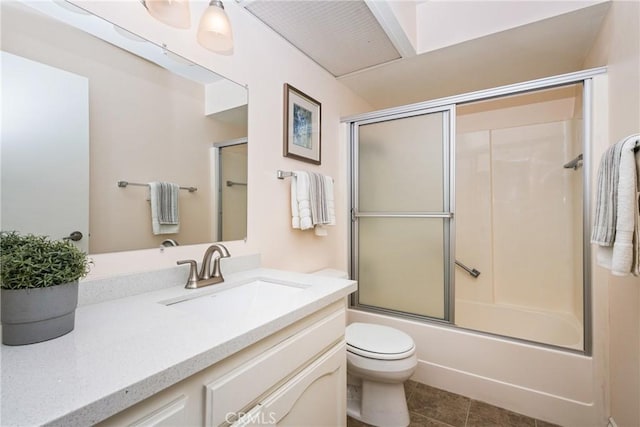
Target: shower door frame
[586, 79]
[219, 185]
[448, 177]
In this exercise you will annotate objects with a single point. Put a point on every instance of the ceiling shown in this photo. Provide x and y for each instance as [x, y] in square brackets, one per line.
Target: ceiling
[341, 36]
[345, 38]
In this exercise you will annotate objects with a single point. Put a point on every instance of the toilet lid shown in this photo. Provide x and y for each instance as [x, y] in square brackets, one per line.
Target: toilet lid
[378, 341]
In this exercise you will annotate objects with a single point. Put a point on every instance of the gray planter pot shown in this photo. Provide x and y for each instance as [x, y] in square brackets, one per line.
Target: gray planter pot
[38, 314]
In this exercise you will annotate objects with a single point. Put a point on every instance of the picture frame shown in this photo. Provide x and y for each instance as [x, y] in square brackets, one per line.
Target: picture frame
[302, 124]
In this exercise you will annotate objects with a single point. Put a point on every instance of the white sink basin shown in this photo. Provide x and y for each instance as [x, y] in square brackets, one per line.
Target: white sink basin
[240, 301]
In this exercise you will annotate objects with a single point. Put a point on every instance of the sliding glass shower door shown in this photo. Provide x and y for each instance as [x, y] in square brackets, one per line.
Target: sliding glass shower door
[401, 211]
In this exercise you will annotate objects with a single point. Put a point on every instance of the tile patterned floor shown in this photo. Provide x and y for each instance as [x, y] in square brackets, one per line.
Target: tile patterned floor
[432, 407]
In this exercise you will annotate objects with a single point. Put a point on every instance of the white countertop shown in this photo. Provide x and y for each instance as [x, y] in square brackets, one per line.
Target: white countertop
[125, 350]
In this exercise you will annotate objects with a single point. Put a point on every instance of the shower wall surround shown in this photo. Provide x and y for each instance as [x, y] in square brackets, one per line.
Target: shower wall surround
[519, 214]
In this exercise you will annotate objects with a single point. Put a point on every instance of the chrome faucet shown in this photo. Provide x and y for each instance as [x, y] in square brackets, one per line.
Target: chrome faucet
[208, 276]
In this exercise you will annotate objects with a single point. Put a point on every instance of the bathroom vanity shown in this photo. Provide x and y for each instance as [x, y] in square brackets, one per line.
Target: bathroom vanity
[162, 358]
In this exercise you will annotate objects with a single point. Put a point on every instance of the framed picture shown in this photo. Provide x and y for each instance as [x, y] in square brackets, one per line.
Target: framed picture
[301, 126]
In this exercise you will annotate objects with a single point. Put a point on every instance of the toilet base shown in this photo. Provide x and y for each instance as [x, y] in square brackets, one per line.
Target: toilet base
[378, 404]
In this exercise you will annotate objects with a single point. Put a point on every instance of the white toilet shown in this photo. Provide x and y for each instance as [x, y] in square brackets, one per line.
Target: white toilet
[379, 360]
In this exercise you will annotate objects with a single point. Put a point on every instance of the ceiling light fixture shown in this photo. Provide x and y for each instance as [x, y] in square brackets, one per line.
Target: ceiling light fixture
[175, 13]
[214, 31]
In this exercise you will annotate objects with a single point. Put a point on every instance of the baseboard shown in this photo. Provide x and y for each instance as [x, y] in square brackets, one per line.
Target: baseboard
[526, 401]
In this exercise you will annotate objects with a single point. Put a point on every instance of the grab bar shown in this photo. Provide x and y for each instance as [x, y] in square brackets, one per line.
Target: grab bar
[472, 271]
[575, 163]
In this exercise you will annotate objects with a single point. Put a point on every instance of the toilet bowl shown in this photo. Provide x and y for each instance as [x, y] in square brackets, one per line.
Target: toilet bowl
[379, 360]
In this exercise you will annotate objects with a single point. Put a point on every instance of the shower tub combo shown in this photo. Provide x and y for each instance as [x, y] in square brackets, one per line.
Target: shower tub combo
[482, 198]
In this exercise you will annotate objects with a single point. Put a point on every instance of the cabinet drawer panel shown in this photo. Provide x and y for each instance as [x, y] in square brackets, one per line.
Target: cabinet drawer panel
[314, 397]
[170, 415]
[243, 386]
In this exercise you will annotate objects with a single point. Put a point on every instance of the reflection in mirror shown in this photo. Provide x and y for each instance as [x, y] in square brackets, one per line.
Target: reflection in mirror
[230, 159]
[85, 112]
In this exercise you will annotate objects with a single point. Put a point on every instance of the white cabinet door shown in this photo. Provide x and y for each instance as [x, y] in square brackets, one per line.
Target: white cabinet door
[314, 397]
[228, 395]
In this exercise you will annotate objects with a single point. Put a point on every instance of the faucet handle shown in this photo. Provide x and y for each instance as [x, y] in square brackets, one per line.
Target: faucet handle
[192, 282]
[224, 253]
[217, 272]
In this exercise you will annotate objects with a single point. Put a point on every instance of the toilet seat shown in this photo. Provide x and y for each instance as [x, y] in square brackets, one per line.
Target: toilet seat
[378, 342]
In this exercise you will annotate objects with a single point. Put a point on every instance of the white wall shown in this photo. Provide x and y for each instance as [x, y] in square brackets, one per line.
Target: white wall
[264, 62]
[618, 47]
[475, 19]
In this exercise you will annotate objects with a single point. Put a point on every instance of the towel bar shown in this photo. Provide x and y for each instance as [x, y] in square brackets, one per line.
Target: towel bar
[284, 174]
[287, 174]
[124, 184]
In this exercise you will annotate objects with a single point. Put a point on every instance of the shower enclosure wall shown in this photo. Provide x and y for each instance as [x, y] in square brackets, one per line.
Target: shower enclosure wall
[464, 213]
[519, 216]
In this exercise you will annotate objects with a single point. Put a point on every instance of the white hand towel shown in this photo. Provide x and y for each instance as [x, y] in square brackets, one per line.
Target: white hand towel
[164, 207]
[312, 202]
[295, 212]
[300, 203]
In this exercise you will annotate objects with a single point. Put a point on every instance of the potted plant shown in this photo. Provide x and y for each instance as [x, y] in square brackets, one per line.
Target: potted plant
[38, 287]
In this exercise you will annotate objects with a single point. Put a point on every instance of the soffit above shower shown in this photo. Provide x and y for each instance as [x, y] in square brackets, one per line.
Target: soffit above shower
[341, 36]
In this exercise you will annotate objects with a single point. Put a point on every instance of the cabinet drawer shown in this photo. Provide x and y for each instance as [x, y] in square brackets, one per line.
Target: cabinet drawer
[314, 397]
[243, 386]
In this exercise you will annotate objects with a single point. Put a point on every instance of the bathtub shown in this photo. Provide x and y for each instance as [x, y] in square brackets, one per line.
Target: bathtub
[559, 329]
[546, 383]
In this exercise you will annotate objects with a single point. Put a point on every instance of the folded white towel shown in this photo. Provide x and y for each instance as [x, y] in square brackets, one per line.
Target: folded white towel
[624, 259]
[164, 207]
[295, 212]
[312, 202]
[304, 199]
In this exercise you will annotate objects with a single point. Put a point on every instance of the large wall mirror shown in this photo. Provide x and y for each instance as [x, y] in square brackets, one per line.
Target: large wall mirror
[85, 105]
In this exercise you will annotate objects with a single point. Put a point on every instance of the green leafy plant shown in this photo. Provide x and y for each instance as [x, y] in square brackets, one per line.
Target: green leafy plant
[30, 261]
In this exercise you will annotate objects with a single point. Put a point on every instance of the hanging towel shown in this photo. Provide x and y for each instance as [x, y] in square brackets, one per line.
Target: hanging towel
[312, 202]
[300, 203]
[164, 207]
[330, 219]
[624, 259]
[604, 223]
[615, 227]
